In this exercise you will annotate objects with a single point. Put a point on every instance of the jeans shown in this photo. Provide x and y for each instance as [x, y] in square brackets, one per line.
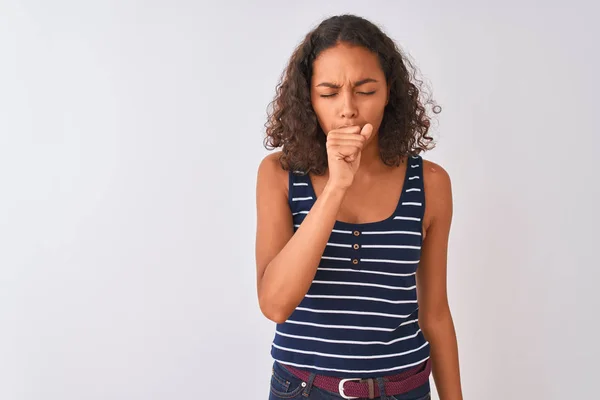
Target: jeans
[285, 385]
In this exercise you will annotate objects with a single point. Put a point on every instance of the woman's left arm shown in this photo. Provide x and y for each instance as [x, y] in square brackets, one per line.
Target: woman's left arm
[435, 318]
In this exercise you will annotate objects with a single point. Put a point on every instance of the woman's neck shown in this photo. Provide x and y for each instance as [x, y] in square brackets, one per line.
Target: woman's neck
[370, 160]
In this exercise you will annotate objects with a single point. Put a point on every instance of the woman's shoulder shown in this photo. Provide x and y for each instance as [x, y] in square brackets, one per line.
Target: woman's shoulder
[435, 174]
[438, 191]
[271, 173]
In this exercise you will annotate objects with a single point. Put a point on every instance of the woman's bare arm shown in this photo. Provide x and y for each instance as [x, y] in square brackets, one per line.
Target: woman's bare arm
[435, 318]
[286, 263]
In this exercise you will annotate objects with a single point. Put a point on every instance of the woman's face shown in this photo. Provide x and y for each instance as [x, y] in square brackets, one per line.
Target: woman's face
[348, 88]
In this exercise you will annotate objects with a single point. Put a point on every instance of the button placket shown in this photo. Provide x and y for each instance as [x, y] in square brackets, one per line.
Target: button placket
[356, 247]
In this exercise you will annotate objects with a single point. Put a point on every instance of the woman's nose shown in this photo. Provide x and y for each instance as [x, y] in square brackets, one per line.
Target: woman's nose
[348, 109]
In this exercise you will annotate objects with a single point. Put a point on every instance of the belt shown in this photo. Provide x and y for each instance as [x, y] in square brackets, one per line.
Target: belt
[355, 388]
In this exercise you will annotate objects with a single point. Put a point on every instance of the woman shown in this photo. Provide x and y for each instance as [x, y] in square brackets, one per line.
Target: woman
[346, 212]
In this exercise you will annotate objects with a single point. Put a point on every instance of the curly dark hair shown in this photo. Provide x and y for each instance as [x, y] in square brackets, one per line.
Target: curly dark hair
[292, 123]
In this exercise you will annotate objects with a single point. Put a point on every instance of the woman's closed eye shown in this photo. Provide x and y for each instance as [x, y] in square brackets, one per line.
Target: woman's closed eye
[363, 93]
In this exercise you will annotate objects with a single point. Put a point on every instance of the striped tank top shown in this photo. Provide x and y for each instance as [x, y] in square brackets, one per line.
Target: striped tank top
[360, 316]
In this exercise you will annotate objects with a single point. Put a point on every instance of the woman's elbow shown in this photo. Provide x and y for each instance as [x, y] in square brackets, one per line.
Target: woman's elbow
[432, 322]
[271, 310]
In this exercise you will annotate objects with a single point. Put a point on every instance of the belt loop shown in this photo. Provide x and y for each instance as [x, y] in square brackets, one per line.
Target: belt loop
[371, 388]
[309, 384]
[381, 385]
[370, 384]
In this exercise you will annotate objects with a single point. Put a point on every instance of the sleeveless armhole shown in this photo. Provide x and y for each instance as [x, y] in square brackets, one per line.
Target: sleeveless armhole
[422, 187]
[290, 189]
[418, 160]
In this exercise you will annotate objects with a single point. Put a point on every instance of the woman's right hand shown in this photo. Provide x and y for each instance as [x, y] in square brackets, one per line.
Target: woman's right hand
[344, 148]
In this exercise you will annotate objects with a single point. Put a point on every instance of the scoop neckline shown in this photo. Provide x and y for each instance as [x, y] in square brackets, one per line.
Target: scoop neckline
[339, 223]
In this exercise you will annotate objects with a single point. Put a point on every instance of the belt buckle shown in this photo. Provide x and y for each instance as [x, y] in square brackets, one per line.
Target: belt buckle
[341, 387]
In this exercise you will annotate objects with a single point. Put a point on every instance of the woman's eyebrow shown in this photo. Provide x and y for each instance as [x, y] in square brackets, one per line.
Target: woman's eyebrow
[358, 83]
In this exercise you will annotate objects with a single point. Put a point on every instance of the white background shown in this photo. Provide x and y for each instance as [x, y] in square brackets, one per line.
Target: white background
[130, 134]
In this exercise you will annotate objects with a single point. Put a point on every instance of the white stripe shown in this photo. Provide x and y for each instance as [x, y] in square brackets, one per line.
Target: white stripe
[317, 353]
[300, 212]
[351, 312]
[301, 198]
[300, 184]
[335, 258]
[413, 190]
[413, 177]
[389, 246]
[408, 322]
[297, 226]
[362, 271]
[348, 341]
[393, 232]
[364, 371]
[327, 296]
[415, 166]
[365, 284]
[408, 218]
[359, 328]
[411, 203]
[339, 231]
[389, 261]
[338, 245]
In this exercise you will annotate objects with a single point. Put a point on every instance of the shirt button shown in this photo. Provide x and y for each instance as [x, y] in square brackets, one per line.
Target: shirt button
[356, 233]
[356, 246]
[355, 261]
